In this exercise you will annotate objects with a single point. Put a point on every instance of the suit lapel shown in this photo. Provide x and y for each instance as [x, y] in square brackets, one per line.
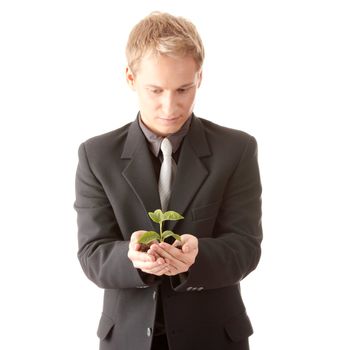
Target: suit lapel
[191, 172]
[139, 172]
[190, 175]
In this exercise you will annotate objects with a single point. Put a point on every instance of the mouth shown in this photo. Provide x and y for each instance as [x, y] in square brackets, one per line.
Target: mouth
[169, 119]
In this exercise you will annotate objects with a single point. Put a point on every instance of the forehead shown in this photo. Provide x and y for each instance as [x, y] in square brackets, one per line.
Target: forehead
[164, 70]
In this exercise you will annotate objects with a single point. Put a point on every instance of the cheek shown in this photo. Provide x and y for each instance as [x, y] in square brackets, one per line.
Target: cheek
[188, 102]
[147, 101]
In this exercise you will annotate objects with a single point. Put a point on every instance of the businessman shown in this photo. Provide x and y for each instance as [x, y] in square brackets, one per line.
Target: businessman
[173, 295]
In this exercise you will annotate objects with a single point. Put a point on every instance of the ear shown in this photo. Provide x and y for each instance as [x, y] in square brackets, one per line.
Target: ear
[199, 78]
[130, 77]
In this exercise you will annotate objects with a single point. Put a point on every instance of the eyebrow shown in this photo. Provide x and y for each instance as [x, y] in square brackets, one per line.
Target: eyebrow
[180, 87]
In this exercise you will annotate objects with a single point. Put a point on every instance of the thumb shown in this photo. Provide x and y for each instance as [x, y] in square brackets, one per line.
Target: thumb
[186, 248]
[190, 242]
[136, 235]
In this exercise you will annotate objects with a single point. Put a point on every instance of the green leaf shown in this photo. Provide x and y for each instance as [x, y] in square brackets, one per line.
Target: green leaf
[172, 215]
[156, 216]
[148, 237]
[177, 237]
[169, 233]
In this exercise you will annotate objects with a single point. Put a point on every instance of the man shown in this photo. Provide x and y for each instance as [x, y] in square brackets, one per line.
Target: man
[172, 296]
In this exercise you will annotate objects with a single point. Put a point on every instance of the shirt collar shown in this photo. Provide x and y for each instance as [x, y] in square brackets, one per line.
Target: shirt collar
[154, 140]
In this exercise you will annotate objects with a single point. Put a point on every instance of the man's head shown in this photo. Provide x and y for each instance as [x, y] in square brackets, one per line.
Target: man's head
[165, 56]
[163, 34]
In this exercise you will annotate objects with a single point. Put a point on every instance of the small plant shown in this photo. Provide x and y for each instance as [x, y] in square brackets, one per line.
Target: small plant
[159, 217]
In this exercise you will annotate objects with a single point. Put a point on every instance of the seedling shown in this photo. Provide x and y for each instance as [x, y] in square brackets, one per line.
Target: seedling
[159, 217]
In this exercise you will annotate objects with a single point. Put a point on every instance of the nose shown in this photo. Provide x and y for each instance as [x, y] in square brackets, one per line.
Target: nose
[169, 103]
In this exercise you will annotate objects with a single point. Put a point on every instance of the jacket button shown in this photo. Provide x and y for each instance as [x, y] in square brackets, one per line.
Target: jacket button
[149, 332]
[200, 289]
[189, 289]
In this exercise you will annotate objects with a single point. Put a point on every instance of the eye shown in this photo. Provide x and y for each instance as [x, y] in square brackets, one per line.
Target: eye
[181, 90]
[155, 91]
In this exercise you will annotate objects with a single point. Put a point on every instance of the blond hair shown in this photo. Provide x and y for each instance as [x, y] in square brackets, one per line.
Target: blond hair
[164, 34]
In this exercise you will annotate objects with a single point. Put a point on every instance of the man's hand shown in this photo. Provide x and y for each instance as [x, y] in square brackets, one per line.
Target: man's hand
[177, 260]
[149, 263]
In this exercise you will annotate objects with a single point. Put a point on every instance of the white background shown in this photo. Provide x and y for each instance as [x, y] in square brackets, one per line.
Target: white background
[276, 69]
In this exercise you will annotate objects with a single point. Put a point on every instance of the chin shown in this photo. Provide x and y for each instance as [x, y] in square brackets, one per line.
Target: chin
[168, 131]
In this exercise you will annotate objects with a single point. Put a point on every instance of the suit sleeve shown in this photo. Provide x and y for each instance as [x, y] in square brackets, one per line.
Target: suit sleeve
[102, 250]
[234, 250]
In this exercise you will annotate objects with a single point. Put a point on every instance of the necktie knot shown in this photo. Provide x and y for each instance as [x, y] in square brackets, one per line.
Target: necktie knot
[166, 148]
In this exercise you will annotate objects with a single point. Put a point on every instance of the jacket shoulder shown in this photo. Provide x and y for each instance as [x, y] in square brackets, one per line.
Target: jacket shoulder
[227, 137]
[107, 143]
[108, 137]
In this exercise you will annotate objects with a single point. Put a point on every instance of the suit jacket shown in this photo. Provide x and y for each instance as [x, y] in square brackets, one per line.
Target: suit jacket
[217, 189]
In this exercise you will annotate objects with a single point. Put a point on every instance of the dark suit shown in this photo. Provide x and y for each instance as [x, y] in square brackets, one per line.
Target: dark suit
[217, 189]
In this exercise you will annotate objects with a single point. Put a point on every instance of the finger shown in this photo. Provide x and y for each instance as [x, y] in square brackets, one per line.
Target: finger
[176, 266]
[189, 241]
[173, 256]
[173, 271]
[186, 248]
[160, 261]
[136, 235]
[177, 244]
[136, 246]
[172, 265]
[157, 270]
[153, 253]
[156, 250]
[189, 248]
[170, 251]
[162, 272]
[136, 256]
[181, 262]
[170, 273]
[147, 265]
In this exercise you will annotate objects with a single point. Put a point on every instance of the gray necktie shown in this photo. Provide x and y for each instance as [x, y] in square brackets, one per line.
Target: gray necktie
[165, 177]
